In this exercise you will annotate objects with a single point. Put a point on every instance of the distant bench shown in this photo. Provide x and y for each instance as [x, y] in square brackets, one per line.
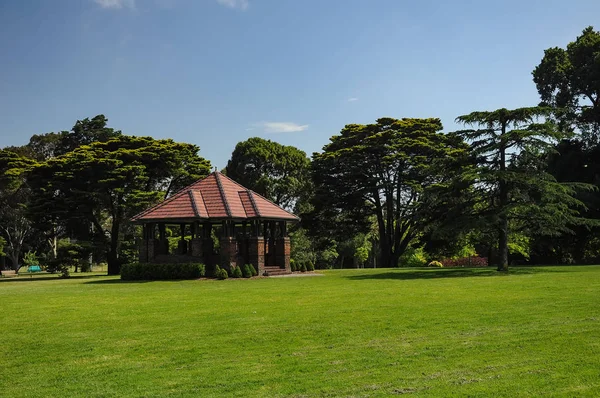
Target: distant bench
[8, 273]
[32, 269]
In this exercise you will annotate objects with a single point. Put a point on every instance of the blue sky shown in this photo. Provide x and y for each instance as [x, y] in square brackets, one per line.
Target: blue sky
[215, 72]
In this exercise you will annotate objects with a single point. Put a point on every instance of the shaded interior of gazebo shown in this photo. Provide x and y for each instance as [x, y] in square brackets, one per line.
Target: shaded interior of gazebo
[250, 229]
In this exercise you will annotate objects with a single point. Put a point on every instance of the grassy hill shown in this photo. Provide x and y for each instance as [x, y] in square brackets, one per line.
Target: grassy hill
[439, 332]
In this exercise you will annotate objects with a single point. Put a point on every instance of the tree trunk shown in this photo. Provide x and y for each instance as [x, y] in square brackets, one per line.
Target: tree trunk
[53, 242]
[503, 245]
[14, 259]
[114, 267]
[503, 227]
[395, 258]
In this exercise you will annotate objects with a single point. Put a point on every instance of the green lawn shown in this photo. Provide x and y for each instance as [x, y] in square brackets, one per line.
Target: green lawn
[439, 332]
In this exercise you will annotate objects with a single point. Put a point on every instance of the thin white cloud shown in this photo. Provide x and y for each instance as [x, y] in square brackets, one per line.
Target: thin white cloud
[353, 99]
[116, 4]
[238, 4]
[281, 127]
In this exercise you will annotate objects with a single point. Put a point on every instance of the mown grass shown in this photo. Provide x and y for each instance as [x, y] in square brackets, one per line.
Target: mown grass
[442, 332]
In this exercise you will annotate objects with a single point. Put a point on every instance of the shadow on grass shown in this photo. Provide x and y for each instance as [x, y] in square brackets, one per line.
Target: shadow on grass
[407, 274]
[49, 277]
[112, 282]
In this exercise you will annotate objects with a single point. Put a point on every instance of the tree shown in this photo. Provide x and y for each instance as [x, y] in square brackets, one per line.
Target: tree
[14, 196]
[84, 132]
[569, 81]
[106, 183]
[510, 183]
[395, 170]
[574, 161]
[278, 172]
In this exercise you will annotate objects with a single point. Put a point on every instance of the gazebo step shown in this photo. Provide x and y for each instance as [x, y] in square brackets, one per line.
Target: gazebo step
[276, 271]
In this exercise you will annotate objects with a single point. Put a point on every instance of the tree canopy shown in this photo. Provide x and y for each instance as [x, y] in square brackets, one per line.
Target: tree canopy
[14, 197]
[278, 172]
[569, 80]
[106, 183]
[395, 170]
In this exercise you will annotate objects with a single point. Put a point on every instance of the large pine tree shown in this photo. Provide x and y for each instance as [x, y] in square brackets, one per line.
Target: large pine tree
[514, 193]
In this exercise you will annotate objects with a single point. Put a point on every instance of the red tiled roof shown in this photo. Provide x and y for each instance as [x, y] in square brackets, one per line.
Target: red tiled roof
[215, 197]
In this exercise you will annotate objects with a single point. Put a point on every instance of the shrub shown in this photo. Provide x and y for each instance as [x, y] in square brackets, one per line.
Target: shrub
[64, 273]
[303, 268]
[310, 266]
[465, 262]
[223, 274]
[413, 257]
[253, 270]
[152, 271]
[55, 265]
[30, 258]
[293, 265]
[86, 266]
[72, 254]
[435, 264]
[236, 273]
[246, 271]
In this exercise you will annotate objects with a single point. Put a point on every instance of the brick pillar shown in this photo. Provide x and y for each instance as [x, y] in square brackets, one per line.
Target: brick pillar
[228, 253]
[256, 253]
[283, 250]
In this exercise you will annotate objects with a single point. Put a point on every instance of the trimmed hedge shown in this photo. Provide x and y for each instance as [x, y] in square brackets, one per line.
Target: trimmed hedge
[246, 271]
[253, 270]
[223, 274]
[237, 273]
[152, 271]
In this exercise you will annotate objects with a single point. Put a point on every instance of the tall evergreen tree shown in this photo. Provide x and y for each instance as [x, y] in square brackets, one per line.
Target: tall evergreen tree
[513, 190]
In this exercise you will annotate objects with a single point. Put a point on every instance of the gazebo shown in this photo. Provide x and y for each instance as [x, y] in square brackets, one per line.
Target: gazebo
[250, 229]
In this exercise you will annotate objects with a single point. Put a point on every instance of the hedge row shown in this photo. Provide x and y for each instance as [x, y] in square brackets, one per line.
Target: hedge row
[152, 271]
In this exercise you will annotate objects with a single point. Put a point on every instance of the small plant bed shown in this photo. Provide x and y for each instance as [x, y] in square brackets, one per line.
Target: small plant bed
[465, 262]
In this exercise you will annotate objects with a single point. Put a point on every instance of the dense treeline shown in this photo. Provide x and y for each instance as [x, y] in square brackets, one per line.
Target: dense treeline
[516, 186]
